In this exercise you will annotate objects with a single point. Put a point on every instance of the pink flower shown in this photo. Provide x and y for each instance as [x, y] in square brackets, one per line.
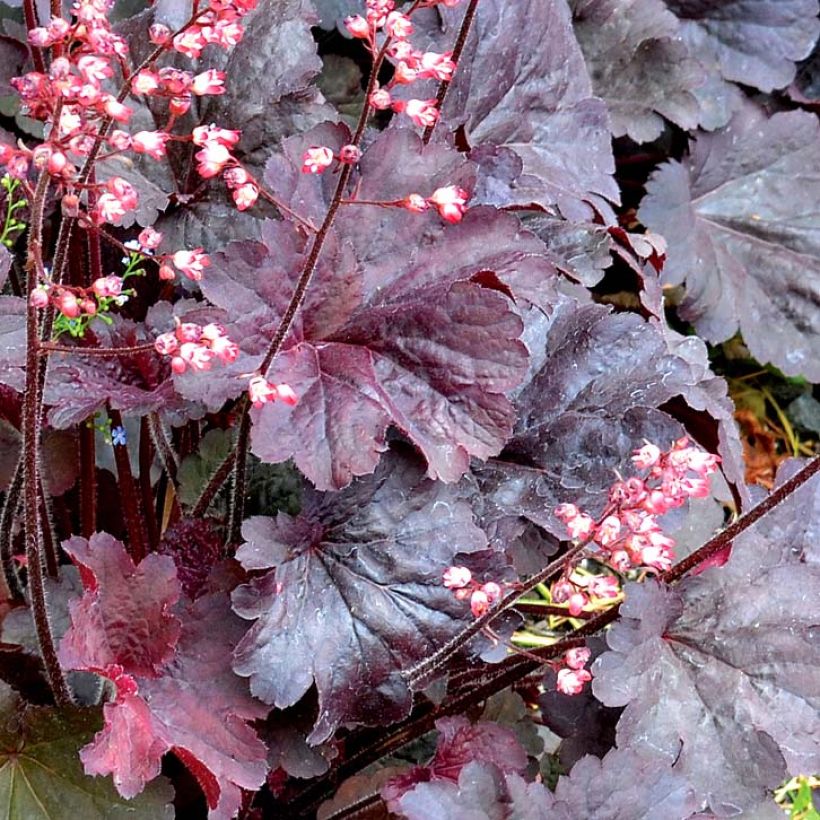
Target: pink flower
[145, 82]
[457, 577]
[571, 681]
[423, 112]
[580, 527]
[287, 394]
[604, 586]
[119, 140]
[190, 42]
[178, 365]
[209, 82]
[436, 66]
[116, 110]
[608, 531]
[415, 203]
[657, 557]
[261, 391]
[479, 603]
[224, 349]
[349, 154]
[38, 298]
[149, 239]
[577, 658]
[159, 35]
[212, 159]
[196, 355]
[646, 457]
[357, 26]
[124, 191]
[166, 344]
[451, 202]
[316, 159]
[245, 196]
[68, 305]
[380, 99]
[188, 332]
[492, 590]
[108, 209]
[205, 134]
[576, 603]
[398, 25]
[107, 286]
[94, 69]
[150, 142]
[191, 263]
[404, 74]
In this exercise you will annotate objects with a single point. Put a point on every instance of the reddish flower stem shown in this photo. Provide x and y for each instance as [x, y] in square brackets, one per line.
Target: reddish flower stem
[31, 18]
[11, 504]
[458, 48]
[49, 533]
[31, 459]
[46, 348]
[128, 494]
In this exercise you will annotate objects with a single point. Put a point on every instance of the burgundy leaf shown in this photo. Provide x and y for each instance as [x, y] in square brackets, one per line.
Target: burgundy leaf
[413, 343]
[460, 743]
[718, 675]
[124, 618]
[755, 43]
[539, 104]
[596, 383]
[355, 597]
[196, 707]
[623, 786]
[742, 244]
[638, 65]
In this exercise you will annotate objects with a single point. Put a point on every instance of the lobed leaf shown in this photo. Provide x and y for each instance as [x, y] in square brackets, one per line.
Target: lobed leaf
[354, 596]
[718, 674]
[745, 245]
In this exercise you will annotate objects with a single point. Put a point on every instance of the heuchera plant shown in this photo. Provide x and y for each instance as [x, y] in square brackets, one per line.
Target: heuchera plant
[332, 482]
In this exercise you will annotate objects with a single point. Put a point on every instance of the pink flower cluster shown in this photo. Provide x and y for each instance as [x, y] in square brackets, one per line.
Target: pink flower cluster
[191, 345]
[450, 202]
[482, 596]
[629, 534]
[410, 64]
[261, 391]
[573, 676]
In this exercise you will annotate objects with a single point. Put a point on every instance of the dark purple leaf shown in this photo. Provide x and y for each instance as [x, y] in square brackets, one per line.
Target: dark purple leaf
[623, 786]
[387, 340]
[753, 42]
[592, 395]
[522, 84]
[12, 341]
[638, 65]
[125, 616]
[718, 675]
[355, 597]
[744, 245]
[269, 91]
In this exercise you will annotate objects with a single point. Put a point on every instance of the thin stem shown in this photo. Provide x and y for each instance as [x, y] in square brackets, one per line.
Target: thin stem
[128, 493]
[7, 516]
[219, 477]
[31, 460]
[49, 533]
[46, 348]
[32, 21]
[275, 201]
[725, 538]
[165, 452]
[458, 48]
[239, 481]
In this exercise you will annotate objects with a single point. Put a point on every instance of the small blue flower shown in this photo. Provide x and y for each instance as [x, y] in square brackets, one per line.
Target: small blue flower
[118, 436]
